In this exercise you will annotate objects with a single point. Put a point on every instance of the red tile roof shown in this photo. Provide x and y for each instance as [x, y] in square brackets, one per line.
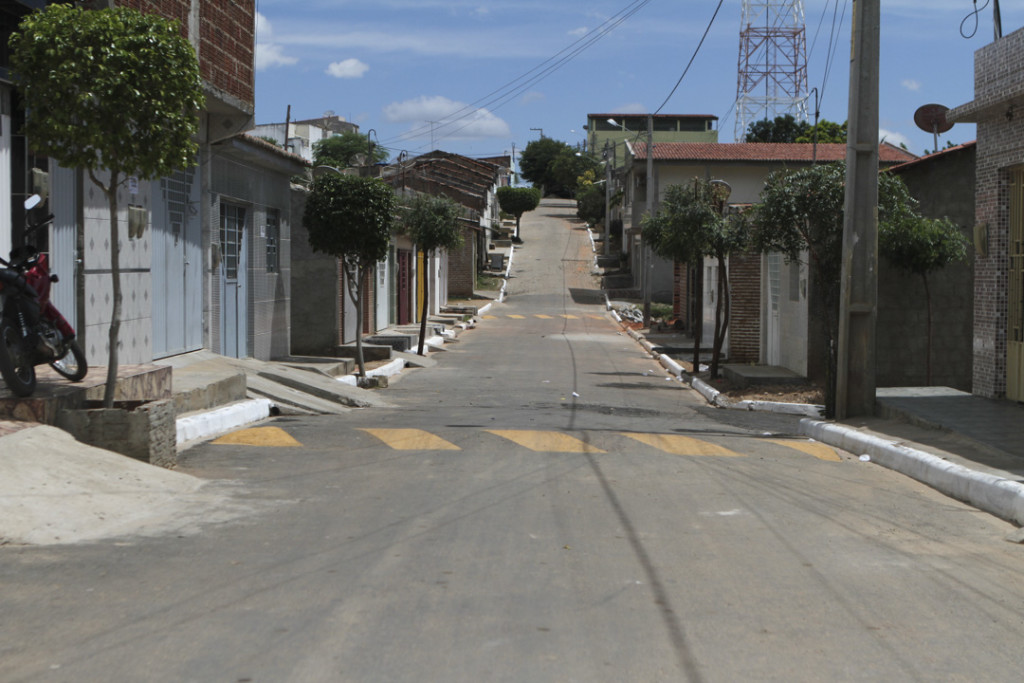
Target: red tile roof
[761, 151]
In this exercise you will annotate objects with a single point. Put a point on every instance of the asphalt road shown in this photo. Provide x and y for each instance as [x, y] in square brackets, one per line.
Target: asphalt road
[544, 505]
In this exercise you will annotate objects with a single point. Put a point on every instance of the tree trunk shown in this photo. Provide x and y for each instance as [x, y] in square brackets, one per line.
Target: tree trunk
[115, 275]
[426, 301]
[928, 348]
[360, 279]
[721, 323]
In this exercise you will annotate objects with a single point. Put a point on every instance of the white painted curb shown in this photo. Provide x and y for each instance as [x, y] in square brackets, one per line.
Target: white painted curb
[995, 495]
[387, 370]
[223, 419]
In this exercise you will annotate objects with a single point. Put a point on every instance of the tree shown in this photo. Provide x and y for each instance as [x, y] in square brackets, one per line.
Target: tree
[802, 211]
[920, 246]
[786, 128]
[691, 224]
[350, 218]
[517, 201]
[432, 223]
[590, 199]
[341, 151]
[536, 159]
[565, 171]
[110, 90]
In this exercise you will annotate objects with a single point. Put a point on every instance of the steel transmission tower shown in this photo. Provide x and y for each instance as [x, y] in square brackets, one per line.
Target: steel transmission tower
[773, 63]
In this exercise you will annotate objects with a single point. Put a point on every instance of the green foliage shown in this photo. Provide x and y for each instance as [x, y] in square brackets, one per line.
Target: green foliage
[786, 128]
[921, 245]
[828, 132]
[432, 222]
[111, 89]
[567, 168]
[517, 201]
[590, 198]
[340, 151]
[691, 225]
[536, 161]
[350, 217]
[803, 211]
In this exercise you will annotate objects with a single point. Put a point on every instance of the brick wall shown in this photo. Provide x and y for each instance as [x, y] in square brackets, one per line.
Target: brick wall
[462, 266]
[227, 40]
[745, 308]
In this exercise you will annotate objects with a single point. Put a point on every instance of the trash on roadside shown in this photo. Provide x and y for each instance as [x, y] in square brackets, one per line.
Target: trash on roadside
[865, 458]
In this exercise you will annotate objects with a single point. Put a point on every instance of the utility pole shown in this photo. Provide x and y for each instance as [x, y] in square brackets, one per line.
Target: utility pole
[650, 211]
[858, 308]
[607, 198]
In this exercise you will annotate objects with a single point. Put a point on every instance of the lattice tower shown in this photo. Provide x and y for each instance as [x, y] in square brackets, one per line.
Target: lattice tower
[773, 63]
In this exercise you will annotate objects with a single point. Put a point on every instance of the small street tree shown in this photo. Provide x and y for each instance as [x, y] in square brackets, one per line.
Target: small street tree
[590, 198]
[350, 217]
[690, 225]
[535, 163]
[342, 151]
[517, 201]
[921, 246]
[115, 92]
[802, 212]
[432, 222]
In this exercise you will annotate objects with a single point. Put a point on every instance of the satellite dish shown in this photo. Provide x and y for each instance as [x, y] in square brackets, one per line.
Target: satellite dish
[931, 118]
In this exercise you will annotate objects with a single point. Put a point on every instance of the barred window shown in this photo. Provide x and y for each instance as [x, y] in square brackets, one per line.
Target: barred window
[273, 238]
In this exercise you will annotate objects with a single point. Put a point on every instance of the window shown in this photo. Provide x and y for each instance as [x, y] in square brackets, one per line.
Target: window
[232, 229]
[273, 239]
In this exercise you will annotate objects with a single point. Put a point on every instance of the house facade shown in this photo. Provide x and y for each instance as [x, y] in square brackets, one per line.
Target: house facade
[769, 319]
[301, 136]
[998, 111]
[204, 252]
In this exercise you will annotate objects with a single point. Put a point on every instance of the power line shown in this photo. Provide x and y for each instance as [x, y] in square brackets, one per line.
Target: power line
[694, 56]
[500, 96]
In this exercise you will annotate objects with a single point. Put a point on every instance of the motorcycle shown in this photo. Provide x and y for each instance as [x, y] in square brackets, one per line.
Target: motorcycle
[32, 330]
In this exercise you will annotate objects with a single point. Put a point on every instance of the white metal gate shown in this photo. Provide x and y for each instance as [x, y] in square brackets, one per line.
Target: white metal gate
[233, 317]
[177, 266]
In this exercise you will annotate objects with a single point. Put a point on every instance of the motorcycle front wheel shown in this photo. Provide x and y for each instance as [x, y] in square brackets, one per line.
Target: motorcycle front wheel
[15, 362]
[72, 365]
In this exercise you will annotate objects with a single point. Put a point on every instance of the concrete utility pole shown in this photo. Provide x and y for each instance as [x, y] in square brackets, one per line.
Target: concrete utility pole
[650, 211]
[858, 308]
[607, 199]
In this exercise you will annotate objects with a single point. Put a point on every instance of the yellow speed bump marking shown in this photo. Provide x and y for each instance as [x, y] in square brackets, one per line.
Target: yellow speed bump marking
[259, 436]
[412, 440]
[815, 448]
[677, 444]
[516, 317]
[542, 316]
[546, 442]
[488, 317]
[570, 316]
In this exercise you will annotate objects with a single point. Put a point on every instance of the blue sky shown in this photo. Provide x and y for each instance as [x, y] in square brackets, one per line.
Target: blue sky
[395, 66]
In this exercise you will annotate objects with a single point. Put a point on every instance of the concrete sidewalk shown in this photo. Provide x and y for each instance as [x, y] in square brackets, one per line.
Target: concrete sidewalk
[965, 446]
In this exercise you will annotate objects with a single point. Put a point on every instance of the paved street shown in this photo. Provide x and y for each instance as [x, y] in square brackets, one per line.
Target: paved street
[544, 505]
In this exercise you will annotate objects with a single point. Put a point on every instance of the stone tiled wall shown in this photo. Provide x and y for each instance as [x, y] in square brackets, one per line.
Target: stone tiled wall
[998, 110]
[135, 335]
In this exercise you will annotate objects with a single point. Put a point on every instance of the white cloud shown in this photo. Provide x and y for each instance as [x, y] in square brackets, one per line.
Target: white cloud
[532, 96]
[577, 32]
[893, 138]
[911, 84]
[348, 68]
[449, 119]
[267, 53]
